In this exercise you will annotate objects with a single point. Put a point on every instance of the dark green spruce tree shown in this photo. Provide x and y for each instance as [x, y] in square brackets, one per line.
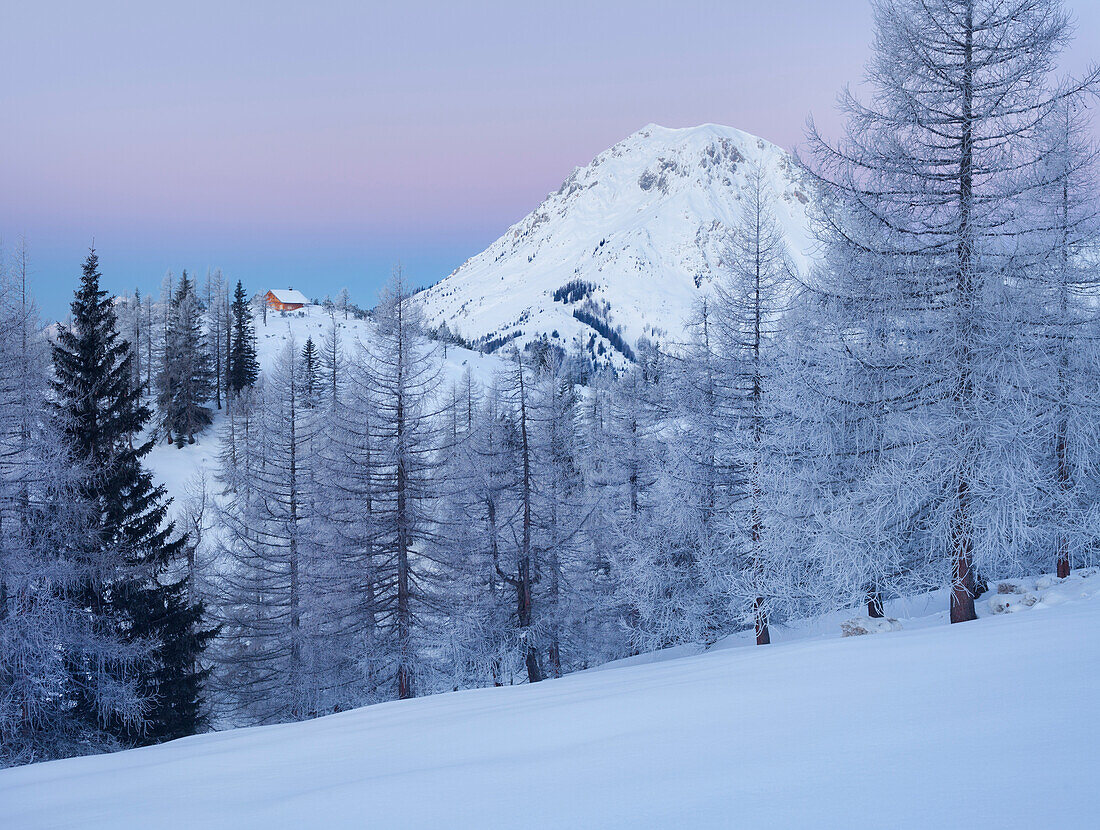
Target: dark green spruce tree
[243, 368]
[136, 595]
[186, 384]
[311, 378]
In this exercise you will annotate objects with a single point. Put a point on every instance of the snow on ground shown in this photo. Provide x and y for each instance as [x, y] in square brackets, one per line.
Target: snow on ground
[902, 613]
[991, 723]
[177, 468]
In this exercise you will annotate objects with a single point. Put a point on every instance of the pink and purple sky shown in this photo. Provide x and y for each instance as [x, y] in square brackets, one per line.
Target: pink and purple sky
[316, 144]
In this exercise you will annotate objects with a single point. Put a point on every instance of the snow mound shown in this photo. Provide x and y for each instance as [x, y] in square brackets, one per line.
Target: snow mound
[1010, 603]
[1043, 592]
[868, 625]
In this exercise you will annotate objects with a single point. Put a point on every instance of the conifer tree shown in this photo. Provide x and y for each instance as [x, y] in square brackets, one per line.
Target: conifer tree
[332, 358]
[186, 384]
[296, 653]
[216, 322]
[243, 368]
[138, 596]
[45, 630]
[399, 374]
[575, 579]
[311, 380]
[699, 492]
[522, 573]
[485, 644]
[933, 187]
[751, 305]
[148, 316]
[1064, 331]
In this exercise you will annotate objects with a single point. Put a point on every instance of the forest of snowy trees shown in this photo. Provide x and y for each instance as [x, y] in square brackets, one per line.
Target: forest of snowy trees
[921, 411]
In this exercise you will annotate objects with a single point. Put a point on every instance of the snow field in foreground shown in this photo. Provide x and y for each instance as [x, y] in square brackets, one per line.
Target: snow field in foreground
[992, 723]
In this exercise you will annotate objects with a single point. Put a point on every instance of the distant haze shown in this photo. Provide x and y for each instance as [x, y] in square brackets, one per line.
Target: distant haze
[315, 145]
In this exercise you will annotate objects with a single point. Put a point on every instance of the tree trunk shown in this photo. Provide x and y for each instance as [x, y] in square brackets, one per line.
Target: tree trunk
[295, 577]
[760, 613]
[875, 608]
[962, 576]
[405, 687]
[760, 623]
[962, 542]
[534, 671]
[1065, 483]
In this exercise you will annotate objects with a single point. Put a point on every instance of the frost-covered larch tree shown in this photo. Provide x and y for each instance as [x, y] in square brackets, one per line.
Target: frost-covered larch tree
[688, 564]
[217, 327]
[751, 297]
[399, 373]
[573, 576]
[477, 630]
[1065, 333]
[931, 180]
[285, 652]
[648, 523]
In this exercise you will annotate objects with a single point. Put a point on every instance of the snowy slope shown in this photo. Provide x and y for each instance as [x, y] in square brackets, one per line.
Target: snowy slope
[175, 467]
[986, 724]
[641, 223]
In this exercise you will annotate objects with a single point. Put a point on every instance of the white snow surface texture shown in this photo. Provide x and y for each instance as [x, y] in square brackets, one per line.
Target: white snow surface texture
[643, 223]
[992, 723]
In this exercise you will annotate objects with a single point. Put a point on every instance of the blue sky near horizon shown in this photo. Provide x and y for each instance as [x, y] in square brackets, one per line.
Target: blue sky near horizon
[315, 145]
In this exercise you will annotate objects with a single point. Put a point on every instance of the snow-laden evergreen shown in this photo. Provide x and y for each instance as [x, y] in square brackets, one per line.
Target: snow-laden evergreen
[46, 568]
[186, 383]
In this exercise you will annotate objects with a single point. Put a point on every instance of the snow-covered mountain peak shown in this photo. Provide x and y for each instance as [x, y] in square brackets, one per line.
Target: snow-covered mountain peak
[623, 248]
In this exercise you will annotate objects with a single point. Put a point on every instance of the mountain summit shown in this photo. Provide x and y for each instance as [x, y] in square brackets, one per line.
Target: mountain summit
[623, 248]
